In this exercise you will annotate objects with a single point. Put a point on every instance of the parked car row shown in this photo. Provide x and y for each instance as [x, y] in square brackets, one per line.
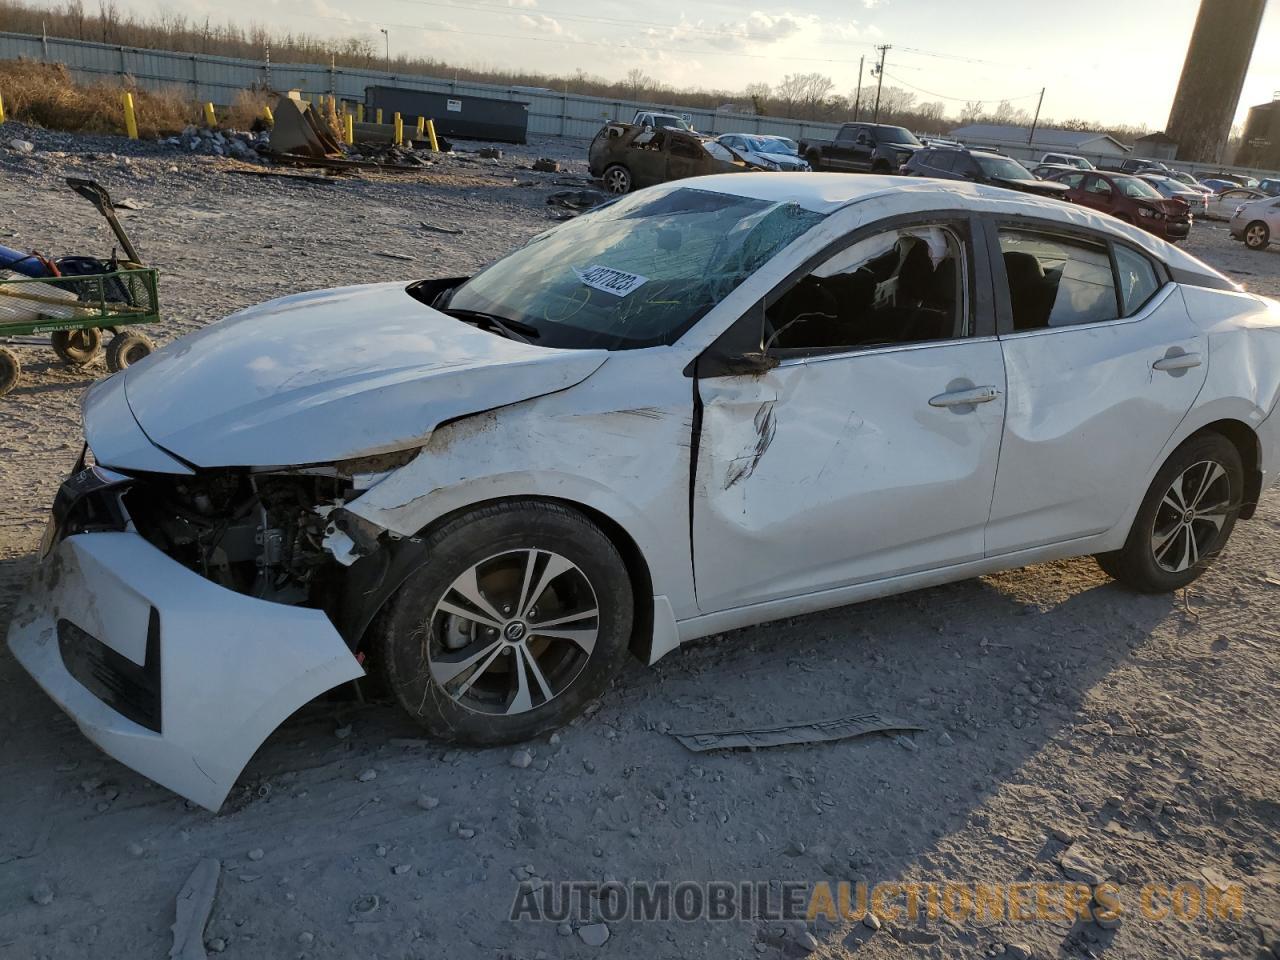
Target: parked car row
[1148, 193]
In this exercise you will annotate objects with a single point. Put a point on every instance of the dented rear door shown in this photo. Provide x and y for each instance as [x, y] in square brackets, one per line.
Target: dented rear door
[839, 469]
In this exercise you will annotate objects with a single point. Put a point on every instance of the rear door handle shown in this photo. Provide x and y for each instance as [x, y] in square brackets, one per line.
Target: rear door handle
[964, 398]
[1184, 361]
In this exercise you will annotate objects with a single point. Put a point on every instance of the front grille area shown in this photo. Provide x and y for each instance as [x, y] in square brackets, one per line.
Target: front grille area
[132, 691]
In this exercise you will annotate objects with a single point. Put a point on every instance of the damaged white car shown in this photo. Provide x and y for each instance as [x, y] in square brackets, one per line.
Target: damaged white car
[705, 405]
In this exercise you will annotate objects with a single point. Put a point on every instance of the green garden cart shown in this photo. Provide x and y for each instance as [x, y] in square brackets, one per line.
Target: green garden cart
[70, 302]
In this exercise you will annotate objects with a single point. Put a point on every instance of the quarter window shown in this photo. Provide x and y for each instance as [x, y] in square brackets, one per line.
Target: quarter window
[1057, 282]
[899, 286]
[1138, 279]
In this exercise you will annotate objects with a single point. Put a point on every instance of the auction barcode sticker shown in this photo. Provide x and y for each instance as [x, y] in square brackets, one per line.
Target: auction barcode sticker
[617, 282]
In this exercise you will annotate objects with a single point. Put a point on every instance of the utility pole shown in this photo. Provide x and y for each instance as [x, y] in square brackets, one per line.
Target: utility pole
[857, 97]
[1035, 122]
[386, 36]
[885, 48]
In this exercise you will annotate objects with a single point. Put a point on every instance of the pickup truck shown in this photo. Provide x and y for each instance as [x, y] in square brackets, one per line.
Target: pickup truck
[1134, 165]
[661, 121]
[862, 147]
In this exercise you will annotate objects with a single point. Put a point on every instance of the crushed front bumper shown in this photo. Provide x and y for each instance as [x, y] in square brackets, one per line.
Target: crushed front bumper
[171, 674]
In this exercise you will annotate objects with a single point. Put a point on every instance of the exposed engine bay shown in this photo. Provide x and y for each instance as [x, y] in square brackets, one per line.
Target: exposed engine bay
[280, 536]
[258, 534]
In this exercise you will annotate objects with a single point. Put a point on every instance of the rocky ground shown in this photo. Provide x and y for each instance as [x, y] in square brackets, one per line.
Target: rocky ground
[1072, 729]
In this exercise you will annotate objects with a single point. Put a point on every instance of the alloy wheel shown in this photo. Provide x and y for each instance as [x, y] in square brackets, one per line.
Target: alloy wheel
[617, 180]
[1256, 235]
[1189, 520]
[513, 632]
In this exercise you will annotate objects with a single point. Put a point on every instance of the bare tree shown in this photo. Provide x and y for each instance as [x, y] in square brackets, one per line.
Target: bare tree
[638, 81]
[895, 101]
[971, 112]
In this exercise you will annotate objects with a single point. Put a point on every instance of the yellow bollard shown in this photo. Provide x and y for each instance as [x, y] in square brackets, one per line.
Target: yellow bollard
[431, 135]
[359, 113]
[332, 104]
[399, 129]
[130, 119]
[268, 115]
[377, 117]
[421, 127]
[1, 108]
[348, 130]
[210, 118]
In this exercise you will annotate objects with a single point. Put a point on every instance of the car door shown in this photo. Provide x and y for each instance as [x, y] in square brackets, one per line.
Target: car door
[839, 155]
[1102, 363]
[1095, 192]
[685, 156]
[870, 449]
[862, 151]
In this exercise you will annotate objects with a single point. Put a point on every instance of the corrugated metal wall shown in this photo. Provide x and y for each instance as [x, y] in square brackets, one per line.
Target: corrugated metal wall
[217, 79]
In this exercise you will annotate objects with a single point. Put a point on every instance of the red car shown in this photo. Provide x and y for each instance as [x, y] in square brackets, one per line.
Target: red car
[1131, 200]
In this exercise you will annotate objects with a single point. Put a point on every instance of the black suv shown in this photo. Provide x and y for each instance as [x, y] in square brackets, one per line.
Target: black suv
[979, 166]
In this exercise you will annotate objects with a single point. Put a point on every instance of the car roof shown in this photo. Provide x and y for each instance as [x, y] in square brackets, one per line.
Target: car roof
[828, 192]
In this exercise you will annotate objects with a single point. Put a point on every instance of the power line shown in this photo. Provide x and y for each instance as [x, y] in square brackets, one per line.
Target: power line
[943, 96]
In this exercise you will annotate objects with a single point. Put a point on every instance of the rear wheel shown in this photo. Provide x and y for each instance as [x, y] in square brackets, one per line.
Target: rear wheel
[617, 179]
[126, 349]
[10, 370]
[77, 347]
[1185, 519]
[1257, 235]
[519, 618]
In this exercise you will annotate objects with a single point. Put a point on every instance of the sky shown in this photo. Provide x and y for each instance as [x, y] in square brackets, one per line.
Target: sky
[1113, 62]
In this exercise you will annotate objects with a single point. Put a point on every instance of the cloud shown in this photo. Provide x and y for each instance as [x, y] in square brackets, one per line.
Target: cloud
[542, 23]
[525, 4]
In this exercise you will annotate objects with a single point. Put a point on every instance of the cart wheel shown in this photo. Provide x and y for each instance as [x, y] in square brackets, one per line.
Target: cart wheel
[126, 349]
[10, 370]
[77, 347]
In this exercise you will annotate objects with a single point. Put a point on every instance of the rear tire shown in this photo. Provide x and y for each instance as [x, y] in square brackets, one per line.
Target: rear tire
[126, 349]
[460, 643]
[77, 347]
[1185, 519]
[10, 370]
[1257, 235]
[617, 179]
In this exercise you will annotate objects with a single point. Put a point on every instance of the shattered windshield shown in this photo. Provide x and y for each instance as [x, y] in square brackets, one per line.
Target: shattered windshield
[636, 273]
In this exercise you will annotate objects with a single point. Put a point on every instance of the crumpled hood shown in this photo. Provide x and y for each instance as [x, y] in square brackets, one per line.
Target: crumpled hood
[327, 376]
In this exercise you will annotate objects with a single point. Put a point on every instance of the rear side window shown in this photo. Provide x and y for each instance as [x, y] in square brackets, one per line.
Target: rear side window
[1138, 280]
[1057, 281]
[943, 160]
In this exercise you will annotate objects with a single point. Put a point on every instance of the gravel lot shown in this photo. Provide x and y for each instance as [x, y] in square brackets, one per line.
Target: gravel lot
[1064, 716]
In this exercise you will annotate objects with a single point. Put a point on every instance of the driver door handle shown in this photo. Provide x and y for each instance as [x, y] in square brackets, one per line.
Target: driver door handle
[962, 398]
[1184, 361]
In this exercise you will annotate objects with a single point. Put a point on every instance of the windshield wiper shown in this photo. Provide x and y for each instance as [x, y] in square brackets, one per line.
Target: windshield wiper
[511, 329]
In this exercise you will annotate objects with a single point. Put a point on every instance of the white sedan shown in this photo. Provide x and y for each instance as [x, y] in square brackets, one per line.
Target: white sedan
[708, 404]
[1223, 206]
[1256, 222]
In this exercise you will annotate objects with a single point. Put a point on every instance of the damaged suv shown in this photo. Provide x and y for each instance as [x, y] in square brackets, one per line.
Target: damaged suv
[701, 406]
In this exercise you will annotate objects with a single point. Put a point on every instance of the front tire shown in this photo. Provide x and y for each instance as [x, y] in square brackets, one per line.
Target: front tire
[10, 370]
[1185, 519]
[617, 179]
[1257, 235]
[519, 618]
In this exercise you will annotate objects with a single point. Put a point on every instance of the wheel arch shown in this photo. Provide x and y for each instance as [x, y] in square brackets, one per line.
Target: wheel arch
[1245, 439]
[372, 580]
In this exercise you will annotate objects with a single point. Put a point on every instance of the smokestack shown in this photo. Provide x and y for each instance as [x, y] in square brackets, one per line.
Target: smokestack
[1213, 77]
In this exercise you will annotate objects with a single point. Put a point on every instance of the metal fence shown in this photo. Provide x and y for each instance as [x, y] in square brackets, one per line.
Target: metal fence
[206, 78]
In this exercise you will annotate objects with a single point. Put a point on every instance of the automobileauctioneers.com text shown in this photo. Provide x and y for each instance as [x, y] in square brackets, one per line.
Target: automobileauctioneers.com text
[891, 902]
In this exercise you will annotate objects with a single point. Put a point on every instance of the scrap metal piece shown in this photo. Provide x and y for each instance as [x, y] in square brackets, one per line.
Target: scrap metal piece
[297, 132]
[195, 904]
[818, 731]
